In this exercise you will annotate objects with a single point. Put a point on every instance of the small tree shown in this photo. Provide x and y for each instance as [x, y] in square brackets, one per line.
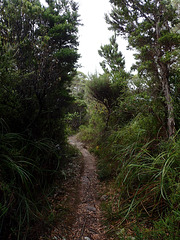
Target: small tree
[113, 58]
[104, 91]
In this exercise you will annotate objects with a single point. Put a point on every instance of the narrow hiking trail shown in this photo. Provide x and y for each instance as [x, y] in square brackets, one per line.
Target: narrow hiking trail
[88, 217]
[76, 203]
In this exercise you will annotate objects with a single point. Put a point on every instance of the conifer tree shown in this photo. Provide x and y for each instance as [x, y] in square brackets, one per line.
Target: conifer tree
[44, 42]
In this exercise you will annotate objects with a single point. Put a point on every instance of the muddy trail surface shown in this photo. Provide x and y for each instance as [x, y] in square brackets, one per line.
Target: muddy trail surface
[87, 225]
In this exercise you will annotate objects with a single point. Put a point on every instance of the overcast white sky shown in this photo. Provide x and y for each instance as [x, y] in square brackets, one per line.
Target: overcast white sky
[95, 33]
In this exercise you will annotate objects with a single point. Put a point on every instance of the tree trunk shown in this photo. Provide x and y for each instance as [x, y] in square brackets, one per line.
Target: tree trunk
[164, 75]
[167, 95]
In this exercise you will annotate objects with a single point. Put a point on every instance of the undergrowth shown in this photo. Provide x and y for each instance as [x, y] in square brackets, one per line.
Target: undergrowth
[145, 171]
[28, 169]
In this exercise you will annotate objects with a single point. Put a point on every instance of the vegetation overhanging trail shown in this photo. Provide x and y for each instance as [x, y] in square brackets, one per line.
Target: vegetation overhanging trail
[88, 220]
[129, 119]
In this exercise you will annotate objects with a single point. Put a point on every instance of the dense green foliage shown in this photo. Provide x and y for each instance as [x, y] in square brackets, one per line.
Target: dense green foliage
[148, 26]
[77, 110]
[134, 120]
[139, 152]
[38, 58]
[111, 87]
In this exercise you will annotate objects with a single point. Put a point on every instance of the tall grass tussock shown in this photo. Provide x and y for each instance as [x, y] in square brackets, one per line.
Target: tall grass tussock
[27, 169]
[145, 170]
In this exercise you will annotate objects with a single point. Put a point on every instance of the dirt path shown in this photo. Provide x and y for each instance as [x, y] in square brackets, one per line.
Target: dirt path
[75, 202]
[88, 218]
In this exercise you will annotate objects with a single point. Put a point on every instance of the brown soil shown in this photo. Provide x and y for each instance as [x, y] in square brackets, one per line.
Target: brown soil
[76, 203]
[88, 219]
